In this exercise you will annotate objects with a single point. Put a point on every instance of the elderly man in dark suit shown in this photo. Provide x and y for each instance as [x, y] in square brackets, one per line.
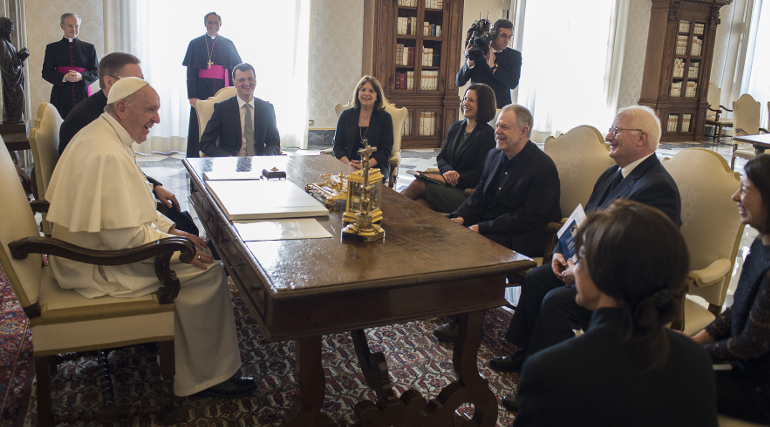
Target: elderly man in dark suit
[502, 68]
[244, 125]
[547, 312]
[517, 197]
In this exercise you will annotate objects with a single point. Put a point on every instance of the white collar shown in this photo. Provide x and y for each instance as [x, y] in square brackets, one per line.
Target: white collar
[241, 102]
[212, 37]
[71, 39]
[631, 166]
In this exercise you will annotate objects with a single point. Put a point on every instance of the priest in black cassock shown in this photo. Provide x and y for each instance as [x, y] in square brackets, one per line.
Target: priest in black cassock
[209, 60]
[70, 65]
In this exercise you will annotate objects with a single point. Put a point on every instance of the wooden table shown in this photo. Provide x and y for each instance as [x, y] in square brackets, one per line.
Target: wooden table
[760, 142]
[426, 266]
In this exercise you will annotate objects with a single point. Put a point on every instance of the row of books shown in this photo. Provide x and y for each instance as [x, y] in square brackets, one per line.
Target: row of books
[404, 54]
[681, 45]
[692, 72]
[406, 25]
[673, 121]
[429, 80]
[689, 90]
[406, 129]
[432, 30]
[429, 4]
[427, 123]
[697, 46]
[431, 58]
[686, 119]
[405, 80]
[684, 27]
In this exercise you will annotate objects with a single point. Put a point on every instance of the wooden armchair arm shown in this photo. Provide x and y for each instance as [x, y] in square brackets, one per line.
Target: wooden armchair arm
[161, 249]
[763, 130]
[39, 206]
[551, 229]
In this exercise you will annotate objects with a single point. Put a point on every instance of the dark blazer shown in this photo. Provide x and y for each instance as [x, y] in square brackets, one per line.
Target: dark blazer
[593, 380]
[469, 161]
[648, 183]
[502, 81]
[379, 134]
[65, 95]
[225, 124]
[528, 200]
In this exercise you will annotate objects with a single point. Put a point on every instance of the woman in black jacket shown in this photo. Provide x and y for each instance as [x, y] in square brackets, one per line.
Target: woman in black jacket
[366, 120]
[461, 159]
[741, 334]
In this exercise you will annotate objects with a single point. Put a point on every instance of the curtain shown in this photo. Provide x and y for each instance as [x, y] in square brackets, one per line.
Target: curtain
[756, 73]
[272, 36]
[572, 60]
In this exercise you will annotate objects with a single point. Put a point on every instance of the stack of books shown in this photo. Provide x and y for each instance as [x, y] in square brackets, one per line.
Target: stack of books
[407, 25]
[429, 80]
[404, 55]
[428, 123]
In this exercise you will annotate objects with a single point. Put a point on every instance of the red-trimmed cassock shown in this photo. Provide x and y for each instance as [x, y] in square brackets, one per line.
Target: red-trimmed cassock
[209, 63]
[65, 55]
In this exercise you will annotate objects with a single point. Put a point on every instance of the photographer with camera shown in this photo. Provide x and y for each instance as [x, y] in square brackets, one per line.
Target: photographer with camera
[489, 60]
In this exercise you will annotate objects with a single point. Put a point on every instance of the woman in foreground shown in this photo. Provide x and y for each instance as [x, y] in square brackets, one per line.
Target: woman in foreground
[628, 369]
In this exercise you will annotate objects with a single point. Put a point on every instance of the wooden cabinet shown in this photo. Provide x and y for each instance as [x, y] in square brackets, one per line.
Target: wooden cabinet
[416, 54]
[680, 48]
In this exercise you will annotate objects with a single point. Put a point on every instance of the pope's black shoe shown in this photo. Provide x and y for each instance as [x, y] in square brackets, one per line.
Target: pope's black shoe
[236, 386]
[512, 363]
[510, 403]
[447, 332]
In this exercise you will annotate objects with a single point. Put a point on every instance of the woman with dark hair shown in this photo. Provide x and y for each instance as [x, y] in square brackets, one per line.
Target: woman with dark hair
[740, 335]
[366, 120]
[461, 159]
[628, 369]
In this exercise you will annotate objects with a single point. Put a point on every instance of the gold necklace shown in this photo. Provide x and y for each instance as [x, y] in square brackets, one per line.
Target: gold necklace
[210, 54]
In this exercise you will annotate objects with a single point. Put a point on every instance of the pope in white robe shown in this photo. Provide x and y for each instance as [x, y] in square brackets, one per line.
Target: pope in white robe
[100, 199]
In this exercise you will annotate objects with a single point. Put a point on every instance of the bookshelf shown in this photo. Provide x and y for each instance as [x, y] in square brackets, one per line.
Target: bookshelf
[680, 48]
[416, 53]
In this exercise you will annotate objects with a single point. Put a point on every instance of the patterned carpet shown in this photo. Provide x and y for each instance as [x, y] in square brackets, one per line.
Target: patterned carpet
[415, 358]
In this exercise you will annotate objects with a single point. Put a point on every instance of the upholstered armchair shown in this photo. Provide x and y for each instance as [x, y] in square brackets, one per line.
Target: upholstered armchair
[204, 108]
[44, 142]
[714, 111]
[62, 321]
[711, 227]
[745, 122]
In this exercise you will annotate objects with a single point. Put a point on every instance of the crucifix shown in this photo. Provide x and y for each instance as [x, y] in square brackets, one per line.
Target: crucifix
[210, 64]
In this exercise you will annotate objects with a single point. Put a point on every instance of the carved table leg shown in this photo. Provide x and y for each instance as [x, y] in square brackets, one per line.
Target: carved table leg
[306, 410]
[411, 409]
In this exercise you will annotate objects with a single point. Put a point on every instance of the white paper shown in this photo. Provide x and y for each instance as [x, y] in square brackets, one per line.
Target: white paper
[264, 199]
[283, 229]
[578, 215]
[231, 175]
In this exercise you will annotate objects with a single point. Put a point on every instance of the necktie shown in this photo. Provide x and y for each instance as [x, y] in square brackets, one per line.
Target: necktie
[614, 184]
[248, 130]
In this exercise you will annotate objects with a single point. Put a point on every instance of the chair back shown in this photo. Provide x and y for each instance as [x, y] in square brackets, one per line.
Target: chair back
[44, 142]
[711, 225]
[399, 116]
[204, 108]
[340, 107]
[17, 222]
[713, 97]
[581, 156]
[746, 115]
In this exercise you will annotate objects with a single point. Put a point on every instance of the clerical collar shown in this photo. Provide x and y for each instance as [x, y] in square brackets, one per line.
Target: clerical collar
[71, 39]
[212, 37]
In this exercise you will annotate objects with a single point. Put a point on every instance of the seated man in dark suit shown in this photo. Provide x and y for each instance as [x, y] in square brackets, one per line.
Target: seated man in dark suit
[547, 312]
[112, 68]
[255, 136]
[502, 68]
[517, 197]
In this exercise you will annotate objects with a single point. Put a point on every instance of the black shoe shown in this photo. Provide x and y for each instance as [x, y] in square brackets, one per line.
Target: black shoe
[510, 403]
[236, 386]
[510, 363]
[447, 332]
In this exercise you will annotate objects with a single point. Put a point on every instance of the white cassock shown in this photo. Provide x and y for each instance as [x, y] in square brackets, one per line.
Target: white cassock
[100, 199]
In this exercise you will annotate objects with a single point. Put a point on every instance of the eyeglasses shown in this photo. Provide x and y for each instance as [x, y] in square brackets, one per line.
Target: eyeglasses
[616, 130]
